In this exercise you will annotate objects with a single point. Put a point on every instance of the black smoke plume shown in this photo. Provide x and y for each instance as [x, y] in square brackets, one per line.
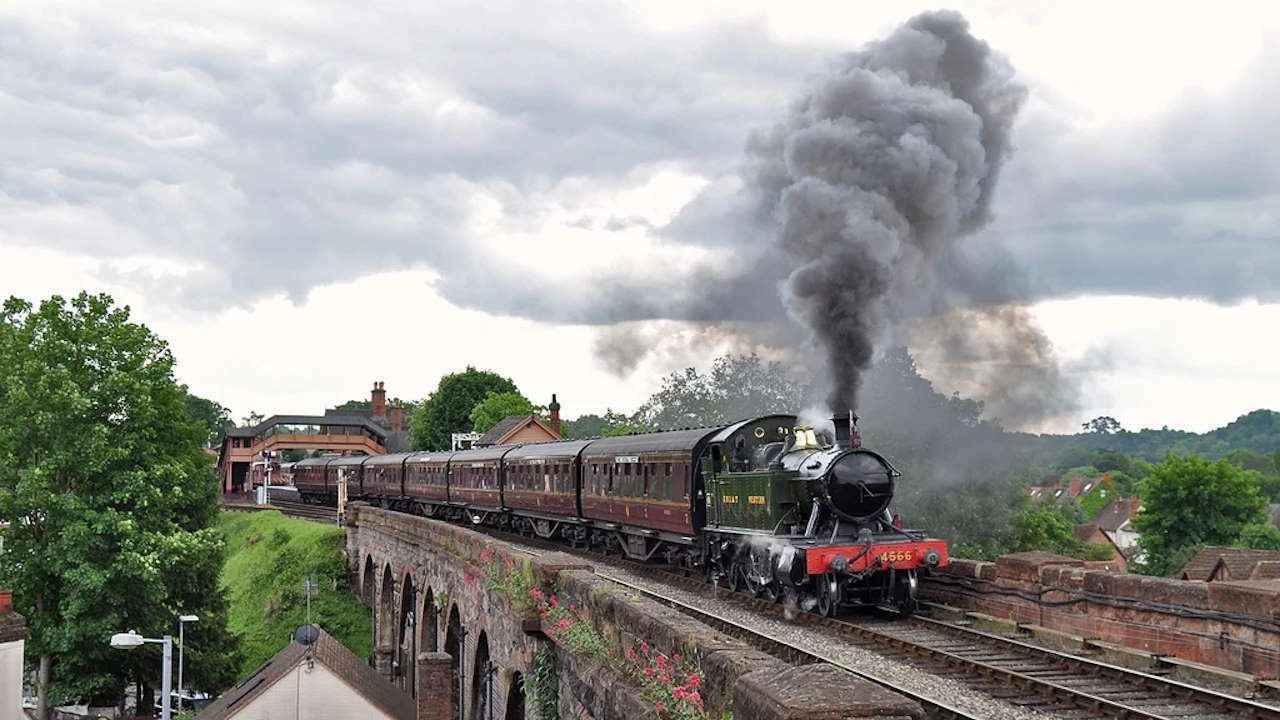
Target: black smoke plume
[875, 176]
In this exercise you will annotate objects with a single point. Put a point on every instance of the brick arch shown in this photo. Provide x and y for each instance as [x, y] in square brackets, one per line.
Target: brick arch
[429, 625]
[455, 645]
[406, 633]
[484, 680]
[386, 608]
[369, 582]
[515, 697]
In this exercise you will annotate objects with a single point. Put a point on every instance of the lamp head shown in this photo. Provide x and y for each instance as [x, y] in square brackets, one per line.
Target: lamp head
[126, 640]
[188, 618]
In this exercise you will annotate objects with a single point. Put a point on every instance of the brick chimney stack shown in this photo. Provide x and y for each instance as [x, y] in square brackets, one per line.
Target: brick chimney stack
[379, 400]
[1075, 485]
[554, 407]
[397, 415]
[1135, 502]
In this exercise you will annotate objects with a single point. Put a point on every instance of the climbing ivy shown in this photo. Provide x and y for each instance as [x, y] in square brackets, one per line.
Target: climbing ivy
[544, 686]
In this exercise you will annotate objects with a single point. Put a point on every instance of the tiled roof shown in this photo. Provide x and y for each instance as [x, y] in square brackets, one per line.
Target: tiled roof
[1238, 563]
[333, 655]
[501, 430]
[1115, 514]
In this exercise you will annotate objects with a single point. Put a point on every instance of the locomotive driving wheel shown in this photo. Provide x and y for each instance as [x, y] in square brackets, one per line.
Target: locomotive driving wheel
[828, 595]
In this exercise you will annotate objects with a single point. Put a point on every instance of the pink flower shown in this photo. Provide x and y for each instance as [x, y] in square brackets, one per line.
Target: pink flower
[660, 706]
[535, 593]
[644, 646]
[554, 601]
[676, 657]
[678, 693]
[564, 624]
[631, 654]
[485, 555]
[648, 672]
[662, 661]
[695, 698]
[694, 681]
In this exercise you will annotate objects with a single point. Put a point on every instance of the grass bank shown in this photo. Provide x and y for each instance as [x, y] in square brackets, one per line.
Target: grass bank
[268, 556]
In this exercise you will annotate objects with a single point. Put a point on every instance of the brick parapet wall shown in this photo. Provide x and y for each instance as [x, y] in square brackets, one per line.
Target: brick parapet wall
[1235, 626]
[733, 672]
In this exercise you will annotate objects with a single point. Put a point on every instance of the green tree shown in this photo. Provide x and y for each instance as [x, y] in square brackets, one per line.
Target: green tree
[1105, 425]
[109, 497]
[1259, 536]
[611, 424]
[497, 405]
[215, 419]
[737, 387]
[1190, 501]
[252, 419]
[448, 410]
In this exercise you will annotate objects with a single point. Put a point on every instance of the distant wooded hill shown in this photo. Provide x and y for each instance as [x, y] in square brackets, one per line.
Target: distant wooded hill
[1258, 431]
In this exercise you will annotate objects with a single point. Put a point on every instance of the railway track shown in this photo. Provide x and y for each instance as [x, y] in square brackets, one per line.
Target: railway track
[289, 504]
[1055, 684]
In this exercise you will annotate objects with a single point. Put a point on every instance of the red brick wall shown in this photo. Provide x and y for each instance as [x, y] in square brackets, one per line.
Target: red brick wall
[1229, 625]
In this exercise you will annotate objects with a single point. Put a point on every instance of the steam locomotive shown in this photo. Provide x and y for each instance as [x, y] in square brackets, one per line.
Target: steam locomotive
[759, 506]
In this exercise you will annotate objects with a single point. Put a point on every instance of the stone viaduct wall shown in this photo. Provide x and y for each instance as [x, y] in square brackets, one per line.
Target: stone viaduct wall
[475, 599]
[1233, 626]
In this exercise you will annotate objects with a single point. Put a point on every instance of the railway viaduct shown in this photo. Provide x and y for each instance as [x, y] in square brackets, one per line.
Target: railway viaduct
[464, 619]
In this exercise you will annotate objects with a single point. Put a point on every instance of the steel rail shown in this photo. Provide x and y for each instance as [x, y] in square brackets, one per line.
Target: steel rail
[788, 651]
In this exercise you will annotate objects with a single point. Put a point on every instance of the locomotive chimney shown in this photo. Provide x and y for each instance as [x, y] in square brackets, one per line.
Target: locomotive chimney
[397, 415]
[379, 400]
[554, 407]
[846, 430]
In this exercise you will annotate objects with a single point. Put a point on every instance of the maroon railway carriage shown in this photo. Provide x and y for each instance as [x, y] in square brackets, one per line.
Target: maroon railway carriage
[647, 482]
[475, 479]
[348, 466]
[426, 480]
[384, 478]
[540, 481]
[308, 478]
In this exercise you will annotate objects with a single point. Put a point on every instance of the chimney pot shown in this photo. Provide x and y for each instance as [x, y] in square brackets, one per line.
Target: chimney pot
[6, 602]
[554, 408]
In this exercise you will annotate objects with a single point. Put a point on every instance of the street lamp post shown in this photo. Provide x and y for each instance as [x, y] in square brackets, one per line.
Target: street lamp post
[130, 640]
[182, 646]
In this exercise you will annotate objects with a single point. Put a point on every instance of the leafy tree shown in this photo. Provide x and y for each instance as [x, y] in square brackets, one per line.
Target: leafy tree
[109, 497]
[610, 424]
[495, 406]
[737, 387]
[1190, 501]
[1105, 425]
[213, 417]
[448, 410]
[253, 418]
[1259, 536]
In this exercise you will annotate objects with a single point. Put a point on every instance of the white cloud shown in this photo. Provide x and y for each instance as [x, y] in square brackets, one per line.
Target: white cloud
[234, 173]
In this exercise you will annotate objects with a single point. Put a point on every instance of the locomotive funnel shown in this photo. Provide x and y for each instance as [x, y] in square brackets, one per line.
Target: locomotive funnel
[846, 432]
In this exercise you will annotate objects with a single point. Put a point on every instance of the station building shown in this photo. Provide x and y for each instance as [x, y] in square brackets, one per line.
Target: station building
[247, 456]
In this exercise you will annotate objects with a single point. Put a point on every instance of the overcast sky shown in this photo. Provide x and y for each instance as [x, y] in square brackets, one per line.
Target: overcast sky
[464, 181]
